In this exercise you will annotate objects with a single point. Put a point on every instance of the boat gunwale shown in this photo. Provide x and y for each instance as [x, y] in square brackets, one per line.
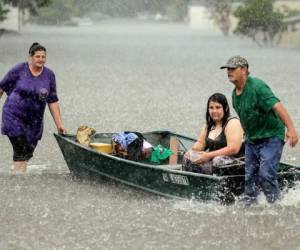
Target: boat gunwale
[145, 165]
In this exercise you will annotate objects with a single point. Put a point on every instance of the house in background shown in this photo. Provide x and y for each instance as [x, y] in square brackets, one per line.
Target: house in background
[199, 17]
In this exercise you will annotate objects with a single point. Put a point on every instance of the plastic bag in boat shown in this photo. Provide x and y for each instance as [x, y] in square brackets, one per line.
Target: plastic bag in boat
[160, 153]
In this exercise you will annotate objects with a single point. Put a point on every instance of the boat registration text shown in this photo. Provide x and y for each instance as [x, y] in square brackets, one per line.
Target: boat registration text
[176, 178]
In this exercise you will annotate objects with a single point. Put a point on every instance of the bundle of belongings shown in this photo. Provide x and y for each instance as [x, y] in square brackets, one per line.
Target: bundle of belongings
[84, 135]
[133, 146]
[128, 145]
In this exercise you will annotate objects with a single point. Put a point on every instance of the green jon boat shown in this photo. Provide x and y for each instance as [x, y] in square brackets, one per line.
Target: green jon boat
[164, 179]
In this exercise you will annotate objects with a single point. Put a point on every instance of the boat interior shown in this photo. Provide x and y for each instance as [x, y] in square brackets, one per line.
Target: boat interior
[179, 145]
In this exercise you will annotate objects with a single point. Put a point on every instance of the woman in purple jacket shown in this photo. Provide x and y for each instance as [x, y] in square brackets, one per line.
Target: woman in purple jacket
[29, 86]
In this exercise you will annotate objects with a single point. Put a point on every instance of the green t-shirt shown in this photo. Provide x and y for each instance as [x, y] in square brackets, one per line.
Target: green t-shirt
[254, 107]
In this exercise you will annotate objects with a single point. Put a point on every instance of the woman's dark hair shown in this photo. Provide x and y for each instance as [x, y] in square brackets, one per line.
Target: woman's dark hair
[36, 47]
[219, 98]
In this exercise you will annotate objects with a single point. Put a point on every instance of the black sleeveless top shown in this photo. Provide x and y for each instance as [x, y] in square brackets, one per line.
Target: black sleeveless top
[220, 141]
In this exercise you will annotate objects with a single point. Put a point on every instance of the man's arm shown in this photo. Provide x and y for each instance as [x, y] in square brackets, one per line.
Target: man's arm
[291, 134]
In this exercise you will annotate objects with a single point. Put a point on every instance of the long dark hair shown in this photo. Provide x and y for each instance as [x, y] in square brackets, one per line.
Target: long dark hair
[219, 98]
[36, 47]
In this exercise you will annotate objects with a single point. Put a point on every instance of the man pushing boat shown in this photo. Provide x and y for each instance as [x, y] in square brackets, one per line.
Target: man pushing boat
[263, 118]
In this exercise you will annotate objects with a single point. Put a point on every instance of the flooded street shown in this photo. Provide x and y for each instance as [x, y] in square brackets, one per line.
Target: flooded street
[141, 77]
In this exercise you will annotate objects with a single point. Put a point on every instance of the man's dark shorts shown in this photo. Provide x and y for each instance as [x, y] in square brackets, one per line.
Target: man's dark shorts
[23, 150]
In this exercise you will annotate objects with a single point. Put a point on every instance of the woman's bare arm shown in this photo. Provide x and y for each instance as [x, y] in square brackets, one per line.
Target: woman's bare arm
[200, 143]
[55, 112]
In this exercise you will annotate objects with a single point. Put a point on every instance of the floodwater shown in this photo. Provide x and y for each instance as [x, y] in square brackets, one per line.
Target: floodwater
[129, 76]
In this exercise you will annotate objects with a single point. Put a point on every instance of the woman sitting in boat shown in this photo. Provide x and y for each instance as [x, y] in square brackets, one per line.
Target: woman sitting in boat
[220, 140]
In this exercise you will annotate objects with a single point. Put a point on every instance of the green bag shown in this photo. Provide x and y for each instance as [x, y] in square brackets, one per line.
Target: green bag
[160, 153]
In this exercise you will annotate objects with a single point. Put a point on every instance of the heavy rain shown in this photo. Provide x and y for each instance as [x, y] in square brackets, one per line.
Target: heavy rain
[143, 65]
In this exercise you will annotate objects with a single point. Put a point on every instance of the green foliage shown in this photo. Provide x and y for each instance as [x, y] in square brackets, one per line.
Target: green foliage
[220, 11]
[259, 21]
[61, 11]
[288, 12]
[31, 5]
[117, 8]
[3, 13]
[57, 13]
[176, 10]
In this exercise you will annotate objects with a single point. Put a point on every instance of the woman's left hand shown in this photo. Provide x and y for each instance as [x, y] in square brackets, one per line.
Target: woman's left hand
[204, 157]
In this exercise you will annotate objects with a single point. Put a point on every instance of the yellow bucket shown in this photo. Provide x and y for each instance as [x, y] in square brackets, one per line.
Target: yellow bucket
[102, 147]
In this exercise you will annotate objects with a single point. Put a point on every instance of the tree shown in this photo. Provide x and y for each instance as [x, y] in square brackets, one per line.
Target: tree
[3, 13]
[177, 10]
[259, 21]
[23, 5]
[31, 5]
[59, 11]
[220, 11]
[56, 13]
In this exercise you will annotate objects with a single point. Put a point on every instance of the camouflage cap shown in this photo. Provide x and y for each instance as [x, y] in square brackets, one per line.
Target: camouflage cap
[234, 62]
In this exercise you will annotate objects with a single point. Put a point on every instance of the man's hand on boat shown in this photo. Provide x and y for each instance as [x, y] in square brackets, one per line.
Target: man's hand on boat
[291, 137]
